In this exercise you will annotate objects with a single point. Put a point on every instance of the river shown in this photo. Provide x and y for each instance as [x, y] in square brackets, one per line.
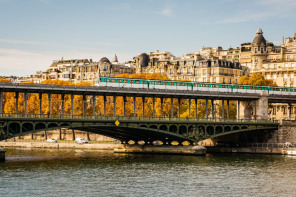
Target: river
[52, 172]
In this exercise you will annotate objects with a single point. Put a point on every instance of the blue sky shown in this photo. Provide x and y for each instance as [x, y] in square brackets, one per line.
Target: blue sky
[35, 32]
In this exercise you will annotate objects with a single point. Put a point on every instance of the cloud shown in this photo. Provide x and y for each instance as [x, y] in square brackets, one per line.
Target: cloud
[108, 44]
[22, 42]
[167, 11]
[267, 9]
[21, 63]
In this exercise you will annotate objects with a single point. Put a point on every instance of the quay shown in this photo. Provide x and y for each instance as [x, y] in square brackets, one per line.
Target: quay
[118, 148]
[161, 149]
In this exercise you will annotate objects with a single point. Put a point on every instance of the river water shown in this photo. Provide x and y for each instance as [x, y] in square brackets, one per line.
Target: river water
[48, 172]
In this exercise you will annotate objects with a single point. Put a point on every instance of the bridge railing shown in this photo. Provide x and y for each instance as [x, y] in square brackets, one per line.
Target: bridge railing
[102, 117]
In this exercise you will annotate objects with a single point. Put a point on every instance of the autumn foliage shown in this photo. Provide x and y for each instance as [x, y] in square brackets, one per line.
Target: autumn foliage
[256, 79]
[56, 103]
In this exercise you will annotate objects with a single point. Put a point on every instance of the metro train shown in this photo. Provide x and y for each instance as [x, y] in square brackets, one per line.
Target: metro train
[196, 86]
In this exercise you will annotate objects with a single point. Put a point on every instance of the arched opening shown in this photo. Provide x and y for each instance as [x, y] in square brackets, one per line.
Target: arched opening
[210, 130]
[144, 126]
[182, 130]
[227, 128]
[40, 126]
[163, 127]
[153, 127]
[244, 127]
[52, 125]
[173, 129]
[14, 128]
[27, 127]
[218, 129]
[236, 128]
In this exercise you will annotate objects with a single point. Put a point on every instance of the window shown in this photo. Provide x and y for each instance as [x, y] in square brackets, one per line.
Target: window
[105, 67]
[188, 71]
[196, 72]
[214, 79]
[274, 111]
[286, 65]
[171, 71]
[267, 76]
[181, 71]
[204, 71]
[214, 71]
[66, 76]
[223, 80]
[256, 59]
[161, 71]
[292, 65]
[204, 79]
[288, 57]
[274, 76]
[294, 57]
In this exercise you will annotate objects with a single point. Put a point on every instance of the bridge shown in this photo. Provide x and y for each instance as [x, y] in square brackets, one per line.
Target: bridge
[147, 129]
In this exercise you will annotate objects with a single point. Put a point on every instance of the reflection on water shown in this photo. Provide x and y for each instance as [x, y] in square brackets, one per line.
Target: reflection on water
[51, 172]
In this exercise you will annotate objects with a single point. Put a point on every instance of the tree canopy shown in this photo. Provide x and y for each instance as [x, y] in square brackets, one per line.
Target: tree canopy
[256, 79]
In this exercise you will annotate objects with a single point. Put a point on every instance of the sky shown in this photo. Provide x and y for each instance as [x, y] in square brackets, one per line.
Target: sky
[33, 33]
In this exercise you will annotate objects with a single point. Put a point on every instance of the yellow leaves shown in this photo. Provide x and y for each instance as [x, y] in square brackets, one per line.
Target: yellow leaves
[4, 80]
[154, 76]
[256, 79]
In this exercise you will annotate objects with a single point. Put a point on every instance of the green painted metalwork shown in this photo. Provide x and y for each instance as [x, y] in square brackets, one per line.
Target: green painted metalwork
[194, 84]
[122, 128]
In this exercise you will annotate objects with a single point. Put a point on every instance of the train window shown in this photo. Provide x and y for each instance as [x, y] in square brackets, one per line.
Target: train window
[159, 82]
[113, 80]
[137, 81]
[125, 81]
[182, 84]
[171, 83]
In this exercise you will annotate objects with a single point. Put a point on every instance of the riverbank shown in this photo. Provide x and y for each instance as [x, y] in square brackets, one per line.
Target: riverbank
[59, 145]
[252, 150]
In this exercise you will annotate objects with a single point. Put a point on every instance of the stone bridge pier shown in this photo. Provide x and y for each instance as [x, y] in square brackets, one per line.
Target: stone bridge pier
[254, 109]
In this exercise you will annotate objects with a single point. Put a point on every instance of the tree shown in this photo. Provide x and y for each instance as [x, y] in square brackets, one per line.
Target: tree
[256, 79]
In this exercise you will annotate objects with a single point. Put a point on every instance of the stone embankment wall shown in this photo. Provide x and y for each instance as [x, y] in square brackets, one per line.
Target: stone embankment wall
[67, 134]
[285, 133]
[59, 145]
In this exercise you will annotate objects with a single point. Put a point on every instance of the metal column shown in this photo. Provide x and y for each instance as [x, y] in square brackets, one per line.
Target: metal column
[26, 103]
[143, 107]
[105, 99]
[196, 108]
[189, 101]
[207, 114]
[72, 104]
[172, 107]
[153, 107]
[1, 103]
[114, 104]
[83, 105]
[161, 106]
[238, 109]
[49, 102]
[134, 106]
[63, 104]
[255, 110]
[222, 109]
[227, 109]
[94, 104]
[40, 103]
[179, 107]
[124, 101]
[16, 102]
[212, 102]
